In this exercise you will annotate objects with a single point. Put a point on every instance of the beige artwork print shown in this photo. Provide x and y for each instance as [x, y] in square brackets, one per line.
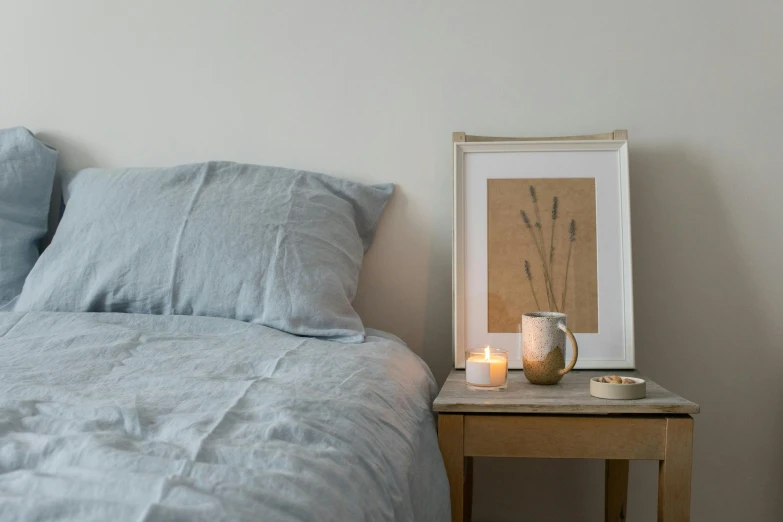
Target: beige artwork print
[520, 230]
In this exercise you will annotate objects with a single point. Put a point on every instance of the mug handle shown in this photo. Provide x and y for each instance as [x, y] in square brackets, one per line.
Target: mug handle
[576, 349]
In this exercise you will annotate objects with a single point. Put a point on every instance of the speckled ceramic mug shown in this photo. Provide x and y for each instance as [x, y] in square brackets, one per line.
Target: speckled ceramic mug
[543, 347]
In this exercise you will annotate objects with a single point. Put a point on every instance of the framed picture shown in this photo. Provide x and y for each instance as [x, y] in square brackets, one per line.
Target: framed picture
[543, 225]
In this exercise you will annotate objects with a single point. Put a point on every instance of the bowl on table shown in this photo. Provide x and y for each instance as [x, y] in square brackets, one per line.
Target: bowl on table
[637, 389]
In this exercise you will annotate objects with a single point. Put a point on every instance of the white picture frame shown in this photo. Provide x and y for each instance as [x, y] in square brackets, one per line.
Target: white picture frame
[475, 162]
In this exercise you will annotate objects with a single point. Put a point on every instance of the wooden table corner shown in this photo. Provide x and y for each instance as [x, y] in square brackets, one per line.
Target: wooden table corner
[565, 421]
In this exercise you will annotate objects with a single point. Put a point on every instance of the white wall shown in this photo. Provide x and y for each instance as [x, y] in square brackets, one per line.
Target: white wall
[372, 90]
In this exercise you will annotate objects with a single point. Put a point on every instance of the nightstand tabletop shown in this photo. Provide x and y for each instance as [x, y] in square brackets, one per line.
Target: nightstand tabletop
[570, 396]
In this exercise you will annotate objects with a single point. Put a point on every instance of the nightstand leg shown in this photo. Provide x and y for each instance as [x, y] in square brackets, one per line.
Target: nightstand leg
[468, 491]
[616, 491]
[674, 472]
[450, 438]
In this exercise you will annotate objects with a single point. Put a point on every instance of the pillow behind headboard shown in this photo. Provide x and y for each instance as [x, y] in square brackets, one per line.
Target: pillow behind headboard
[267, 245]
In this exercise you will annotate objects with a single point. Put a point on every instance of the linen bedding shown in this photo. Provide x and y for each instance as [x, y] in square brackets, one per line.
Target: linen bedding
[26, 175]
[267, 245]
[115, 417]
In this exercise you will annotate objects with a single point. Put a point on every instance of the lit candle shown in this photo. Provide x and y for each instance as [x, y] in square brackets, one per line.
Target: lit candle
[486, 369]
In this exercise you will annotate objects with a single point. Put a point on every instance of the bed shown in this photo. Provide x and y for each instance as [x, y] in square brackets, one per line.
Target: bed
[186, 349]
[142, 417]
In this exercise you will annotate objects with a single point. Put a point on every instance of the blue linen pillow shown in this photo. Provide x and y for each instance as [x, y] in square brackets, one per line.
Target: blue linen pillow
[26, 176]
[267, 245]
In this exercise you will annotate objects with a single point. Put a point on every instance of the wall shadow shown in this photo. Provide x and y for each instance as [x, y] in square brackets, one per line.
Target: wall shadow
[701, 331]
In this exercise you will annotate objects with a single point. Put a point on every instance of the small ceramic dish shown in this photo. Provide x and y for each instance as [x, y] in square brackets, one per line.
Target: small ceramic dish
[604, 390]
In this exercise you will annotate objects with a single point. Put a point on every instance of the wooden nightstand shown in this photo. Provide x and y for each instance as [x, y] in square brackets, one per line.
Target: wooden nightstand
[565, 421]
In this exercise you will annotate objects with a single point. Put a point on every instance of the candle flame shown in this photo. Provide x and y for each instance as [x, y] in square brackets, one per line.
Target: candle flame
[486, 353]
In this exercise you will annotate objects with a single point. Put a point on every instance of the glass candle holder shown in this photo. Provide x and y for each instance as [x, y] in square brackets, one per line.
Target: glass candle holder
[486, 369]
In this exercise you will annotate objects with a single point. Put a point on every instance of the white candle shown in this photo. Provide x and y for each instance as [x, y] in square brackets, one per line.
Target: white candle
[486, 370]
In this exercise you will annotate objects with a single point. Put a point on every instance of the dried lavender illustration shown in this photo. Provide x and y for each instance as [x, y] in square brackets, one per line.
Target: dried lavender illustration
[530, 280]
[540, 248]
[550, 295]
[571, 239]
[552, 238]
[547, 258]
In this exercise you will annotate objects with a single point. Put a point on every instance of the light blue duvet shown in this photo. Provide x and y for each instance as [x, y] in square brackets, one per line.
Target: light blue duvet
[114, 417]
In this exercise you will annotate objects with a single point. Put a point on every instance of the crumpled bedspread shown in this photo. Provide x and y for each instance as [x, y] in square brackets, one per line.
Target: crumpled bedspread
[113, 417]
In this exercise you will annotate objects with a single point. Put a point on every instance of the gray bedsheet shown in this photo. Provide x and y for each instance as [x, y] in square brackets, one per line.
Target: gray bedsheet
[113, 417]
